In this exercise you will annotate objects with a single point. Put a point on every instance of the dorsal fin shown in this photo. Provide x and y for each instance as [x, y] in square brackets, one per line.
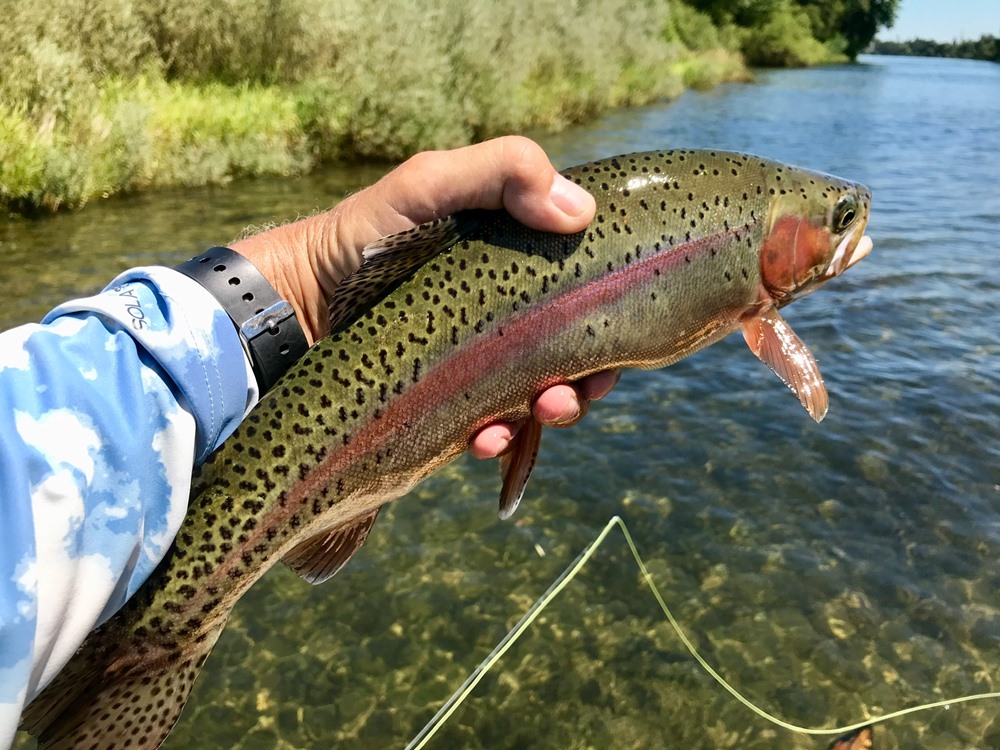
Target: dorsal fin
[516, 465]
[391, 260]
[320, 557]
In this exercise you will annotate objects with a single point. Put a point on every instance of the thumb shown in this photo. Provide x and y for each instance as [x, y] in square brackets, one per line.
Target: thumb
[511, 172]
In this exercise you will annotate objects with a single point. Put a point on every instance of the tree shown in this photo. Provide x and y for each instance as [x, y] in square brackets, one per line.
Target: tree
[847, 26]
[862, 19]
[987, 47]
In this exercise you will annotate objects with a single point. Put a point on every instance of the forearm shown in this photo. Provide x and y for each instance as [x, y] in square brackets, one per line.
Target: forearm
[104, 410]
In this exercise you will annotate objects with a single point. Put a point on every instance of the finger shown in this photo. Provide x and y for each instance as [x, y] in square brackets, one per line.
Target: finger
[559, 406]
[493, 440]
[510, 172]
[599, 385]
[565, 405]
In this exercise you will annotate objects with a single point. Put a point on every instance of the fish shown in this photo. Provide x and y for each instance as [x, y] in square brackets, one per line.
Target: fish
[446, 328]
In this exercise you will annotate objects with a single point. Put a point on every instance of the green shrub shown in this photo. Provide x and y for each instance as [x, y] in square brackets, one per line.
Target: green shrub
[703, 71]
[692, 28]
[212, 133]
[785, 40]
[102, 96]
[22, 160]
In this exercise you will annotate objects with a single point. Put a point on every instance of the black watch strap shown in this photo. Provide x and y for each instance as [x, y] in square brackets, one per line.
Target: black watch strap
[266, 322]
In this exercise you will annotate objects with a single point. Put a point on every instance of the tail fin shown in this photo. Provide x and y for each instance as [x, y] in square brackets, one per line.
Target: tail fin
[109, 698]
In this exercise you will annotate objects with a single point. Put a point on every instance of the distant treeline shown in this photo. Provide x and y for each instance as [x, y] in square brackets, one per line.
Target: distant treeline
[987, 47]
[103, 96]
[785, 33]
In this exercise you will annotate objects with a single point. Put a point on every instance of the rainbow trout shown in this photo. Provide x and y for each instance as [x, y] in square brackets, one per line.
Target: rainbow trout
[447, 328]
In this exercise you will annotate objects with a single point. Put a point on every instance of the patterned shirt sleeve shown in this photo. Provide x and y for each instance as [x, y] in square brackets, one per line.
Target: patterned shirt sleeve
[105, 407]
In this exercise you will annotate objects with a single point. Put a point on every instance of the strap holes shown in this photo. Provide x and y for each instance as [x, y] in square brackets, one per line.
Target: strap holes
[219, 268]
[234, 281]
[248, 297]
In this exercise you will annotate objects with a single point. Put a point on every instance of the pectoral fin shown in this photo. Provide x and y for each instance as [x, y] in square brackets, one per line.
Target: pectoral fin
[516, 465]
[777, 346]
[320, 557]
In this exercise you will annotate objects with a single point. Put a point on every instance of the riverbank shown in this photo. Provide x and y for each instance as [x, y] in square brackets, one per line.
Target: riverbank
[146, 97]
[147, 132]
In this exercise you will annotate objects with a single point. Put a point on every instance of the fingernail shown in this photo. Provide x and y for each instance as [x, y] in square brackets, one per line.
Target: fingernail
[570, 413]
[502, 446]
[601, 384]
[569, 197]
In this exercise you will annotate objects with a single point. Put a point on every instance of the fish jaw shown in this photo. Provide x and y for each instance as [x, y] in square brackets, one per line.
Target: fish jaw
[850, 251]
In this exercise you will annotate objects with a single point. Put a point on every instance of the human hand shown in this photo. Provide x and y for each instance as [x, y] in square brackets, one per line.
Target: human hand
[305, 261]
[558, 406]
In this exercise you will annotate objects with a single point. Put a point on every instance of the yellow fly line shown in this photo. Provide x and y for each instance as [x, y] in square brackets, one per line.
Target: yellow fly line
[445, 712]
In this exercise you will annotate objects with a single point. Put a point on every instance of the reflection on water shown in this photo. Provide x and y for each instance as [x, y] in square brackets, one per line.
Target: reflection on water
[831, 572]
[49, 260]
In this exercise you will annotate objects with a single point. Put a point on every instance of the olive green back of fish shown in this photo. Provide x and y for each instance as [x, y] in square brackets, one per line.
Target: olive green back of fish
[467, 337]
[474, 334]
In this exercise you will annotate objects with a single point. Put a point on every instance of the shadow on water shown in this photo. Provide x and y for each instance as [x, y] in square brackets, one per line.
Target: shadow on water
[830, 572]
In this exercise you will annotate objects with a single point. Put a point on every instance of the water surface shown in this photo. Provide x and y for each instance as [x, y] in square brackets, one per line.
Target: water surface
[831, 572]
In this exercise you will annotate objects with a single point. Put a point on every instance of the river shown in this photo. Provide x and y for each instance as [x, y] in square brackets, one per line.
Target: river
[830, 572]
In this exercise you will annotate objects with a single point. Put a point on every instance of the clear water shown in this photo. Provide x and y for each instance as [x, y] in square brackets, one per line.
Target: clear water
[830, 572]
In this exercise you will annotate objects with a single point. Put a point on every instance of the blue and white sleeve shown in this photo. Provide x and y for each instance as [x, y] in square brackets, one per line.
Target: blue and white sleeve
[105, 407]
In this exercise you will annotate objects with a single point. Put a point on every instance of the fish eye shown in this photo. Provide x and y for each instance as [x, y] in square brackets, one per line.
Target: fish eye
[845, 212]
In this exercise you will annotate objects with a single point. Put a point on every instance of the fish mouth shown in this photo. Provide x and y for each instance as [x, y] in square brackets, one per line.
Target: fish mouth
[850, 250]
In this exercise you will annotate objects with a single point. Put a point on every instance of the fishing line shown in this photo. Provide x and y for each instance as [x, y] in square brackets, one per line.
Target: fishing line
[564, 579]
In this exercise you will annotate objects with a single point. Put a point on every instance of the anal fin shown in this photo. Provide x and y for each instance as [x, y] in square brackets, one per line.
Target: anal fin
[320, 557]
[776, 345]
[516, 465]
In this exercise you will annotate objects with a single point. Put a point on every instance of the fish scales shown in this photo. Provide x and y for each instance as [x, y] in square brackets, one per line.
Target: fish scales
[673, 260]
[485, 313]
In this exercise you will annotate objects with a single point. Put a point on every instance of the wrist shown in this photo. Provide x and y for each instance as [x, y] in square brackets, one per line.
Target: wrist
[285, 257]
[267, 323]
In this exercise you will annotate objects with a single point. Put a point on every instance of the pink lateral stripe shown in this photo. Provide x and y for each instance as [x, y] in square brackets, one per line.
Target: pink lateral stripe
[467, 363]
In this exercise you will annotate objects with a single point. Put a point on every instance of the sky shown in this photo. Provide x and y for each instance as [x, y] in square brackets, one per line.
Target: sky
[944, 20]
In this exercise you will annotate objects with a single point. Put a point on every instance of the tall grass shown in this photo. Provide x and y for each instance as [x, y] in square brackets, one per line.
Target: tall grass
[102, 96]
